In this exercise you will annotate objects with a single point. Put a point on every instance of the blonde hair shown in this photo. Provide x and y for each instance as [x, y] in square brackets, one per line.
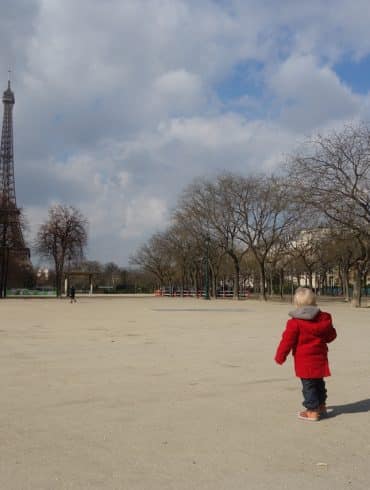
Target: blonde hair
[304, 297]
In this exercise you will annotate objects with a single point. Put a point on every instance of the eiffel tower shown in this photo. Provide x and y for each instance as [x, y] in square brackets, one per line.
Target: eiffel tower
[13, 249]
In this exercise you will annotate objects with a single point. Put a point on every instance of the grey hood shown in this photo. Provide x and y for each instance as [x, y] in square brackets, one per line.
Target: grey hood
[305, 313]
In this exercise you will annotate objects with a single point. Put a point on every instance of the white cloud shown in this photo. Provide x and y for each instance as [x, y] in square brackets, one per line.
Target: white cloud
[179, 91]
[312, 95]
[144, 213]
[177, 83]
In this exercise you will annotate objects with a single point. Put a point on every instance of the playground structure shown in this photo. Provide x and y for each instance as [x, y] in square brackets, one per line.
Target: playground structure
[67, 280]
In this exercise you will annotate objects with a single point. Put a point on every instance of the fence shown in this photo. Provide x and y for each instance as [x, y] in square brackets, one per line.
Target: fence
[21, 292]
[200, 293]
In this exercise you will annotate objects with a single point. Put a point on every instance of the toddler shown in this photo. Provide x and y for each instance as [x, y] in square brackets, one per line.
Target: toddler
[306, 335]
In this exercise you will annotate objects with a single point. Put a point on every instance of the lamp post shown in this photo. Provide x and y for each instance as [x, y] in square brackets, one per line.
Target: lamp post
[206, 296]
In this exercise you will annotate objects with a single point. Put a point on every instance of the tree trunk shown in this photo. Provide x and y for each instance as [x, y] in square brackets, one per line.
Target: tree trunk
[263, 296]
[310, 283]
[356, 299]
[195, 280]
[182, 281]
[255, 283]
[214, 286]
[324, 282]
[236, 281]
[236, 276]
[213, 281]
[298, 276]
[281, 283]
[58, 283]
[341, 282]
[346, 291]
[271, 284]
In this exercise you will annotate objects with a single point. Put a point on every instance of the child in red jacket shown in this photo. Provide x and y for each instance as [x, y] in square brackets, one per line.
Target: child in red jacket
[306, 335]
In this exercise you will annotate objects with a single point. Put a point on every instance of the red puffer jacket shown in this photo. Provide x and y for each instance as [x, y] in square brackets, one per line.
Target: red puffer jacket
[306, 335]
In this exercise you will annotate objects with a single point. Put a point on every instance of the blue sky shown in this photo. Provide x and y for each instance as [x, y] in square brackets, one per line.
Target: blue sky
[246, 78]
[243, 79]
[356, 74]
[119, 108]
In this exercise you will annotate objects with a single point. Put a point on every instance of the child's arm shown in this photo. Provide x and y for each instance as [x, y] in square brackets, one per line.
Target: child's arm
[288, 341]
[332, 333]
[331, 336]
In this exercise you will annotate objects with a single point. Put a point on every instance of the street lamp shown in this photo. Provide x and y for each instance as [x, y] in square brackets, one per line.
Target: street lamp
[208, 239]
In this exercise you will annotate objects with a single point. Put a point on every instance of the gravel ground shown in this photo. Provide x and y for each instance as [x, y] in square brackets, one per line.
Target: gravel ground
[180, 394]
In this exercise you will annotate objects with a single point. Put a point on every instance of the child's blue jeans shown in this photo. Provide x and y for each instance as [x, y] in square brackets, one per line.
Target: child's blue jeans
[314, 392]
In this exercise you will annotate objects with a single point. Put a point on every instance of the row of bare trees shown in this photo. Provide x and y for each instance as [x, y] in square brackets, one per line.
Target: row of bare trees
[62, 239]
[312, 217]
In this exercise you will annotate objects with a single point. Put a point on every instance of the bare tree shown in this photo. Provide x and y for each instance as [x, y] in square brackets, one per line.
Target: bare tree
[62, 237]
[211, 204]
[305, 250]
[345, 254]
[262, 205]
[332, 176]
[111, 274]
[153, 257]
[186, 250]
[193, 233]
[277, 263]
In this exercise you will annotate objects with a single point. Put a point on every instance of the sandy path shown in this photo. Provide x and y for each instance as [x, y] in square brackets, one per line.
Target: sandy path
[160, 394]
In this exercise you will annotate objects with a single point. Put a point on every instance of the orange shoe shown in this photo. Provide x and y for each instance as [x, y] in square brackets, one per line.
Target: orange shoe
[309, 415]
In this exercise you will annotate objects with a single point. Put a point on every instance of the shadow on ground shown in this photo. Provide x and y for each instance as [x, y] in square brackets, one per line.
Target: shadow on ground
[355, 407]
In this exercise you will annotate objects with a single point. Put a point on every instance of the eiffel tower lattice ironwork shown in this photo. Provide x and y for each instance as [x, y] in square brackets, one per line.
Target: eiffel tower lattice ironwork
[12, 243]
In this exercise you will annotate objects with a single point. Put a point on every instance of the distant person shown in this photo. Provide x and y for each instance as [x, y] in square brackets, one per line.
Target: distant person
[306, 335]
[72, 294]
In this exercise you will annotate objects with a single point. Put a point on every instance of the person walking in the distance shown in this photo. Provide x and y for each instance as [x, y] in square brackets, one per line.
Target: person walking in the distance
[72, 294]
[307, 334]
